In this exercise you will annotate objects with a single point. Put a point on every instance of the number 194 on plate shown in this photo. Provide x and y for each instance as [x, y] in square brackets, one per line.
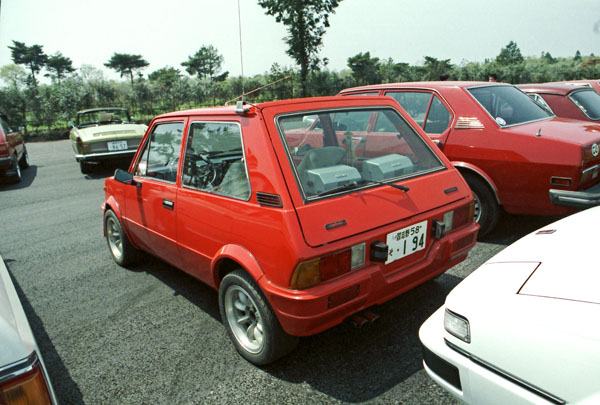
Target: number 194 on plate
[406, 241]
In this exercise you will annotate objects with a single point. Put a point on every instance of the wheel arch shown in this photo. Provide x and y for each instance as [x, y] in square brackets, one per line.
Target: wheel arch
[231, 257]
[467, 169]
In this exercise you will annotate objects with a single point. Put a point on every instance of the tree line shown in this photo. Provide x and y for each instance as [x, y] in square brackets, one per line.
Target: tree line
[38, 106]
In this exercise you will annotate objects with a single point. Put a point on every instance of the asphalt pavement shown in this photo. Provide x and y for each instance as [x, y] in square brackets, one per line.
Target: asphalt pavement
[153, 334]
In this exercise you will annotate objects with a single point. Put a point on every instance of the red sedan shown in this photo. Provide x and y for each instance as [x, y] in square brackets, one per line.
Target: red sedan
[300, 213]
[13, 153]
[513, 152]
[577, 102]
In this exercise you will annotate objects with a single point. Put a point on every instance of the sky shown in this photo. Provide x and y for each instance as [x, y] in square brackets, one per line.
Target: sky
[166, 33]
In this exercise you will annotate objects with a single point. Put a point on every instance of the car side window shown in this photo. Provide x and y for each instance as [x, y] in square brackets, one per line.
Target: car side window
[214, 160]
[414, 103]
[438, 117]
[160, 157]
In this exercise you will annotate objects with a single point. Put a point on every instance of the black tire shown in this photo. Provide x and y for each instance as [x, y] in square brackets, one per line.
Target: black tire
[84, 167]
[244, 311]
[17, 176]
[121, 250]
[487, 210]
[24, 161]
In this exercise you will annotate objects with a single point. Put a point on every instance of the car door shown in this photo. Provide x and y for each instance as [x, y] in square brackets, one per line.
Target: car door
[213, 199]
[150, 206]
[428, 110]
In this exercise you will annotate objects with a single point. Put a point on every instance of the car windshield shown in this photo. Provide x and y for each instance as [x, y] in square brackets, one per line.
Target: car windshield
[588, 101]
[337, 151]
[102, 117]
[508, 106]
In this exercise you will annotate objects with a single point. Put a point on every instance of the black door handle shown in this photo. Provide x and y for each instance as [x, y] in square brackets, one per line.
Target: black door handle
[168, 204]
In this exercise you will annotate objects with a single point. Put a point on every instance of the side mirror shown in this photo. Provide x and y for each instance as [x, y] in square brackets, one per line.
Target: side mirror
[125, 177]
[71, 124]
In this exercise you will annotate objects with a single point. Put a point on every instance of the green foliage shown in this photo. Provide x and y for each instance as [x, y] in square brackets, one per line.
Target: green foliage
[205, 63]
[126, 64]
[509, 55]
[58, 66]
[306, 21]
[365, 70]
[167, 89]
[31, 56]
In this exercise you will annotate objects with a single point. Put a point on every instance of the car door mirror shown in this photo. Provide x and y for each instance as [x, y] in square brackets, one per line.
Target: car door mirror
[125, 177]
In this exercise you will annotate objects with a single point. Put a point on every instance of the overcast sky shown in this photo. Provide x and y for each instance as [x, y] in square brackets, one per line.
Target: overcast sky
[165, 33]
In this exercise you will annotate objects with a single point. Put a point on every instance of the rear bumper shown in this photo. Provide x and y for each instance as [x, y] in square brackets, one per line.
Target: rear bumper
[578, 199]
[5, 163]
[307, 312]
[96, 157]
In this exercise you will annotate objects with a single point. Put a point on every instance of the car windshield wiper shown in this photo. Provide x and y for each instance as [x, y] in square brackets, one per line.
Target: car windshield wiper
[345, 187]
[385, 183]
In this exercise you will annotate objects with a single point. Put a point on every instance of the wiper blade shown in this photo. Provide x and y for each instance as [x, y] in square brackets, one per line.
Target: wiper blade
[344, 187]
[398, 186]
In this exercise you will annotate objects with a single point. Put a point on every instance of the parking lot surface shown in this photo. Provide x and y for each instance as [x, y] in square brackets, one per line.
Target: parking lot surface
[153, 335]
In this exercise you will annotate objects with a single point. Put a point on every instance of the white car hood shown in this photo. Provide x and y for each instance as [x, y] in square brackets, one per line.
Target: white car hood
[16, 339]
[566, 251]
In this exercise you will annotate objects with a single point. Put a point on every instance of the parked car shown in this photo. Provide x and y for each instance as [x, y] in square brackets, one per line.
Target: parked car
[594, 84]
[577, 102]
[523, 327]
[23, 375]
[300, 213]
[101, 134]
[512, 152]
[13, 152]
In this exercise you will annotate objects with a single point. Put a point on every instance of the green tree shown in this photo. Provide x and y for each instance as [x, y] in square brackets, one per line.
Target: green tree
[126, 64]
[365, 70]
[58, 66]
[509, 55]
[31, 56]
[306, 21]
[435, 68]
[206, 63]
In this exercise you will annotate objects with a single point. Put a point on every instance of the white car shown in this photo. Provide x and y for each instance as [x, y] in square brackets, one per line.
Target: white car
[23, 376]
[524, 328]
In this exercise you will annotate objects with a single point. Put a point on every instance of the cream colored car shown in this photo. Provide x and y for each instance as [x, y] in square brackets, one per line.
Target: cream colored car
[100, 134]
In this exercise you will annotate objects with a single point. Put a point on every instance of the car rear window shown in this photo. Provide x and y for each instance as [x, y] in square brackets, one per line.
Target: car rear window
[588, 101]
[335, 151]
[507, 105]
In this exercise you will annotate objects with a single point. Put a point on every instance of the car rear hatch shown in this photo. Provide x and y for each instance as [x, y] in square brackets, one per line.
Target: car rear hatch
[339, 192]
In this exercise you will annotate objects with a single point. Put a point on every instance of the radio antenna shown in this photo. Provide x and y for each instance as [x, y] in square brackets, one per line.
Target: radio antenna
[241, 52]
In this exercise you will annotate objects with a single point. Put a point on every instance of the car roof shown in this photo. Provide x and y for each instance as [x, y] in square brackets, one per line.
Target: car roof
[230, 110]
[89, 110]
[425, 85]
[552, 88]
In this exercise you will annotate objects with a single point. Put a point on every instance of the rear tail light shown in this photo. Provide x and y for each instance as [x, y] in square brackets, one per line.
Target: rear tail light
[25, 385]
[3, 149]
[80, 144]
[312, 272]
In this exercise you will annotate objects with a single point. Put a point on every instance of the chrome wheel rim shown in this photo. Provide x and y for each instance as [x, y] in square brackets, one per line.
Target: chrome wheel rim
[18, 168]
[477, 208]
[115, 242]
[244, 319]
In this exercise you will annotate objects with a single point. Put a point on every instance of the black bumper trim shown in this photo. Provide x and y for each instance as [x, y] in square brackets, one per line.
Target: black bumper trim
[446, 371]
[579, 199]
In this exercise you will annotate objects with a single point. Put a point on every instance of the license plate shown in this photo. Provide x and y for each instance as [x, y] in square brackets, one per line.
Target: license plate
[117, 145]
[406, 241]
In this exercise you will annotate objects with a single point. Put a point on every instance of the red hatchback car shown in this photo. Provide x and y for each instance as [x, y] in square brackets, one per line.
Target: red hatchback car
[513, 152]
[577, 102]
[13, 153]
[299, 212]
